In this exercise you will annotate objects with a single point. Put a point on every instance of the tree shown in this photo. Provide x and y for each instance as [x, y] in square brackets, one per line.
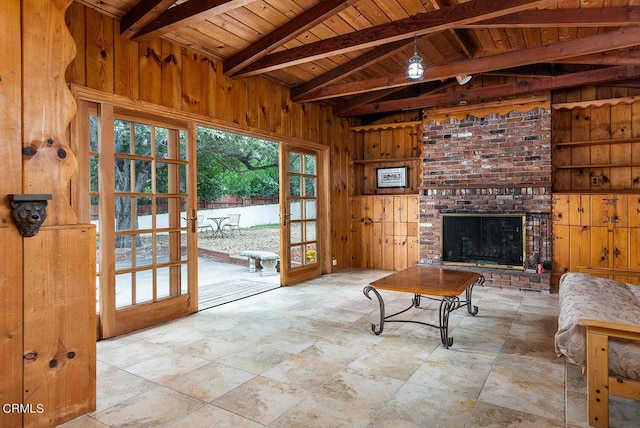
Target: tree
[234, 164]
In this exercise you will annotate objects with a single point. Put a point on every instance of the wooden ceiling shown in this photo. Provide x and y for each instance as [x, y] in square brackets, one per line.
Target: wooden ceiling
[354, 54]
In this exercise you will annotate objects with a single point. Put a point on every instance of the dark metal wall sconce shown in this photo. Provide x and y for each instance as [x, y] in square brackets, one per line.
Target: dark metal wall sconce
[29, 212]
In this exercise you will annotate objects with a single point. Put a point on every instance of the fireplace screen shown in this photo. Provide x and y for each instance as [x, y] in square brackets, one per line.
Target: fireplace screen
[483, 240]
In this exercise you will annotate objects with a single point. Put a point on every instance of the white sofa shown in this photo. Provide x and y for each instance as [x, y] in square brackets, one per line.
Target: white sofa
[599, 329]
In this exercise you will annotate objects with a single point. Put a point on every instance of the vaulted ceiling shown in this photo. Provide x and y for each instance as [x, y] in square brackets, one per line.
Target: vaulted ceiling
[354, 54]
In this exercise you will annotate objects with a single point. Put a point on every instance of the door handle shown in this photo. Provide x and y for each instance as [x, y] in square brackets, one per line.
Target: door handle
[193, 219]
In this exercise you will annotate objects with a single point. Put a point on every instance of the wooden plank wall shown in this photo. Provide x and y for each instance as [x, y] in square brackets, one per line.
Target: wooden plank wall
[47, 286]
[585, 166]
[11, 249]
[596, 180]
[162, 73]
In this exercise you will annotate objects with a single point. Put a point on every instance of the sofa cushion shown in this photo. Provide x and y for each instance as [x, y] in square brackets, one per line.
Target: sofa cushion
[585, 296]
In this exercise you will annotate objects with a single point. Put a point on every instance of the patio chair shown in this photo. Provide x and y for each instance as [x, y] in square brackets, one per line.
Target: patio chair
[202, 225]
[233, 223]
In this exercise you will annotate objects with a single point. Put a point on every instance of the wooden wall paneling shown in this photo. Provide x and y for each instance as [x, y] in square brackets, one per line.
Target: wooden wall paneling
[578, 247]
[150, 70]
[181, 66]
[372, 145]
[621, 153]
[125, 54]
[208, 84]
[340, 194]
[224, 101]
[601, 153]
[311, 127]
[63, 376]
[59, 293]
[48, 107]
[259, 103]
[75, 20]
[402, 143]
[11, 331]
[580, 155]
[175, 71]
[561, 155]
[635, 147]
[239, 101]
[280, 110]
[99, 51]
[296, 120]
[389, 141]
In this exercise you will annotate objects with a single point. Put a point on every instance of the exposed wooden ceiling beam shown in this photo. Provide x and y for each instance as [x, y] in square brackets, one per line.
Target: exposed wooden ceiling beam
[345, 108]
[347, 69]
[142, 14]
[418, 25]
[502, 91]
[577, 17]
[283, 34]
[184, 14]
[629, 56]
[619, 39]
[439, 4]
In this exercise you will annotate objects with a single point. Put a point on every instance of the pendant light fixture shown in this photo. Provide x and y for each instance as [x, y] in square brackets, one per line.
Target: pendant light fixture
[415, 70]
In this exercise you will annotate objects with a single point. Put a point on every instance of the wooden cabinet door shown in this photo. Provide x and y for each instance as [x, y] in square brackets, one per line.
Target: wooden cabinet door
[601, 247]
[602, 210]
[634, 252]
[379, 208]
[633, 210]
[580, 210]
[560, 249]
[560, 209]
[579, 247]
[620, 216]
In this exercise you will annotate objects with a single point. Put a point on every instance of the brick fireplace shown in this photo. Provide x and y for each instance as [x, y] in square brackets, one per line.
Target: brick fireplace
[491, 165]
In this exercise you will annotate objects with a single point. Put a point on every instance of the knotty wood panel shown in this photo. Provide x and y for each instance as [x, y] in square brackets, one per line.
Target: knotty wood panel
[99, 51]
[150, 68]
[11, 183]
[173, 74]
[60, 324]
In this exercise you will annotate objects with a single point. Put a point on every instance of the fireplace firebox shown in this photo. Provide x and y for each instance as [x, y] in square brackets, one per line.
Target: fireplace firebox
[489, 240]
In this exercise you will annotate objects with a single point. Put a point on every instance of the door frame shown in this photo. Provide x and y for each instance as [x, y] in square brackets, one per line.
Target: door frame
[323, 232]
[112, 321]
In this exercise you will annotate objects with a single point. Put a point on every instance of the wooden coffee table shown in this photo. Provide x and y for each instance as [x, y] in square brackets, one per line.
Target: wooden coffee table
[444, 285]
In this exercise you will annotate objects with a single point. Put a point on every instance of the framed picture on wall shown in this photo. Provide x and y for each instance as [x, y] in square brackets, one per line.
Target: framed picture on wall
[392, 177]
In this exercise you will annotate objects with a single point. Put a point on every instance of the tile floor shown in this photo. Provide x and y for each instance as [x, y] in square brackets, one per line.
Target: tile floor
[304, 356]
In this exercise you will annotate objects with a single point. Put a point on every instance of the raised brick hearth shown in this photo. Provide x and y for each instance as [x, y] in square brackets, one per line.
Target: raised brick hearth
[497, 164]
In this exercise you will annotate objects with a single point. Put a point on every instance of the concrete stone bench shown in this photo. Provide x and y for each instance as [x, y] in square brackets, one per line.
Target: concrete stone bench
[268, 261]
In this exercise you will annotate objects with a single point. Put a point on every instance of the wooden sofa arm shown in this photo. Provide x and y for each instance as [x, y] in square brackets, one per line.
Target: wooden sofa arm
[599, 383]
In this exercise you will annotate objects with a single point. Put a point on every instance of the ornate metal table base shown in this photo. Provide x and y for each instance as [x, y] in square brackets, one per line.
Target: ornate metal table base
[448, 304]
